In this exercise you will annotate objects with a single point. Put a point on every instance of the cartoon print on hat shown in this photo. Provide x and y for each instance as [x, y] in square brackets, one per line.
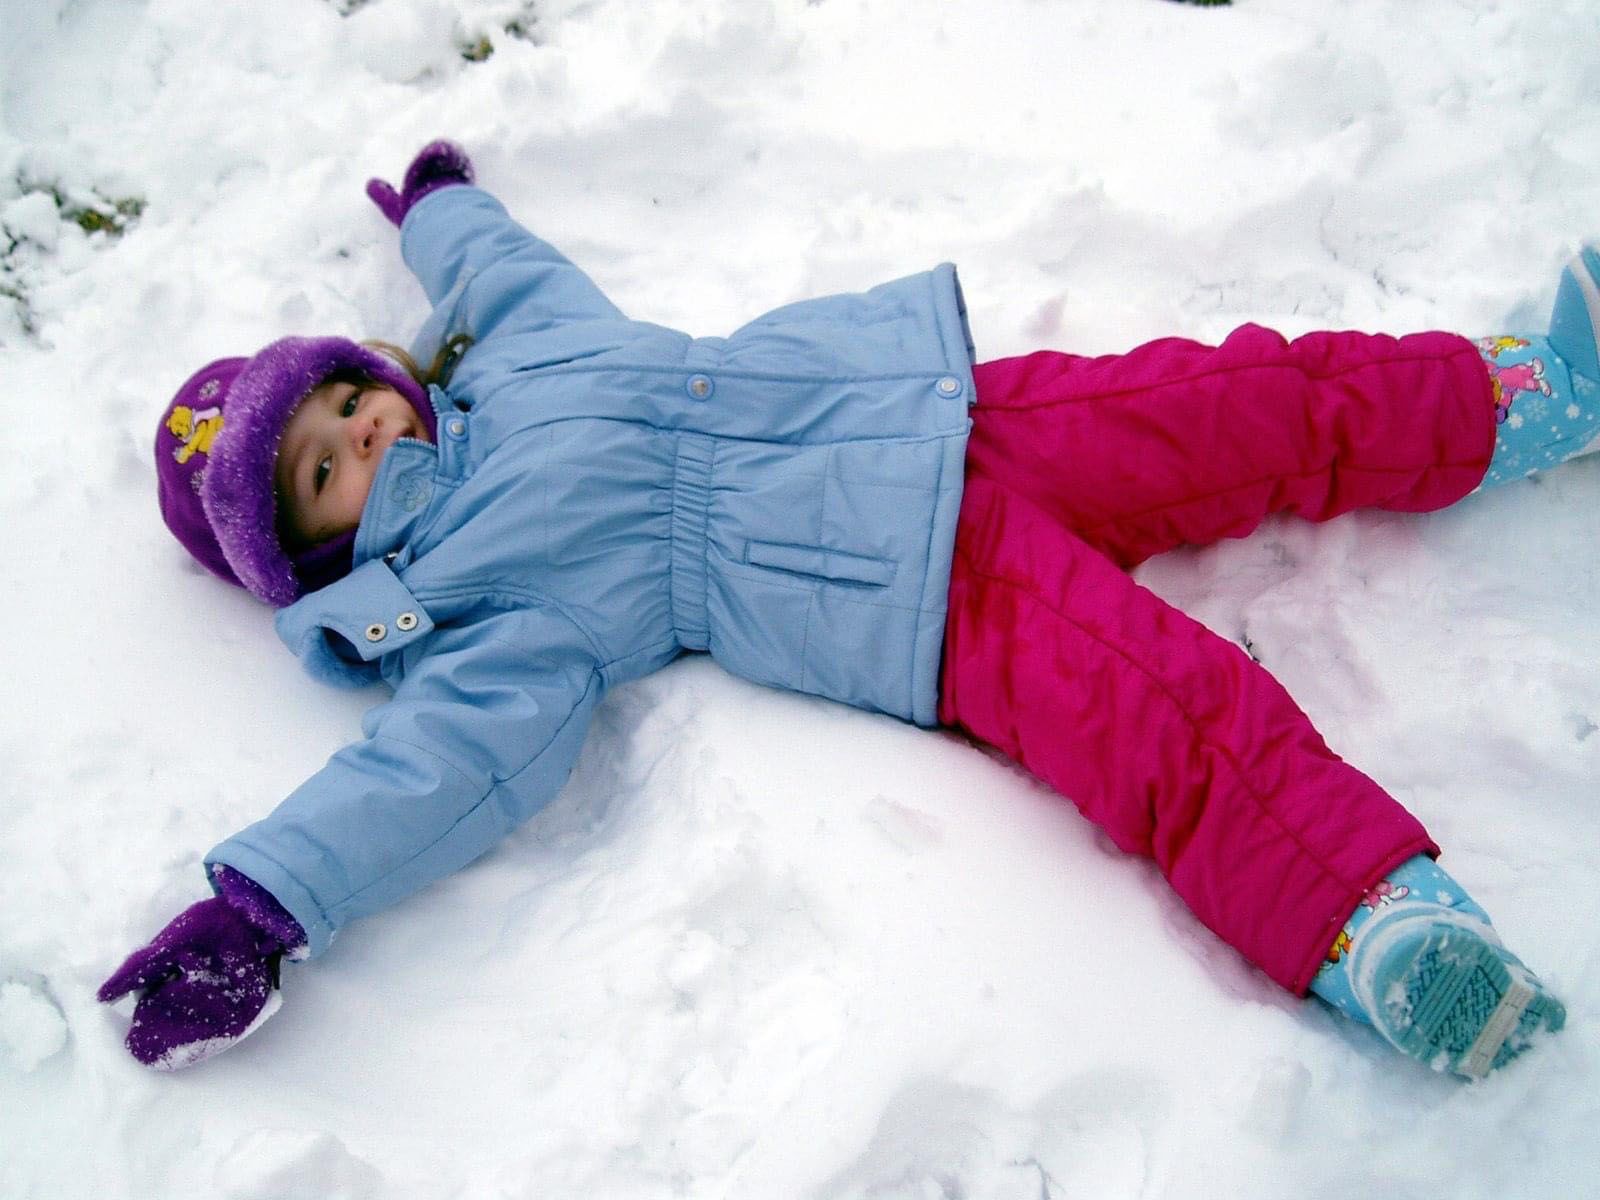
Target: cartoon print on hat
[185, 440]
[196, 429]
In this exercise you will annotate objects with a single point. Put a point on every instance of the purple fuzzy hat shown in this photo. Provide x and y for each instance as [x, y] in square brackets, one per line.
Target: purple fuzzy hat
[215, 452]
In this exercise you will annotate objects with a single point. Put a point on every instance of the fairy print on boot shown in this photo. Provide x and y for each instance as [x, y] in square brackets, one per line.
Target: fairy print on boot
[1418, 878]
[1438, 984]
[1547, 389]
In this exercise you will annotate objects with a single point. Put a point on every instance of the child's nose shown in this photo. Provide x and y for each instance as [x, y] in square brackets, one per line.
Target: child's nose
[364, 433]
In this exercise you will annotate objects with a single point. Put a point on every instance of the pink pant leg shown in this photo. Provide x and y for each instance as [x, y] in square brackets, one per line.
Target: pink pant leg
[1176, 442]
[1167, 736]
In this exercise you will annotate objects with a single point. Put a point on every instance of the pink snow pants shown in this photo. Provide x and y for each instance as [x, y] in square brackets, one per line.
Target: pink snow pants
[1167, 736]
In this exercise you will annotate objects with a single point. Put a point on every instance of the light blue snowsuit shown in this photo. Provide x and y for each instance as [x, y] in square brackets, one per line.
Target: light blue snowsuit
[604, 495]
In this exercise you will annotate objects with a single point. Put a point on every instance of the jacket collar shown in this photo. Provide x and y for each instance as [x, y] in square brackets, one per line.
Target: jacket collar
[401, 493]
[407, 478]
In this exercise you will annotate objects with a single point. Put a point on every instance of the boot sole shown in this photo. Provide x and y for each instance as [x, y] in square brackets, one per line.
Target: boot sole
[1445, 995]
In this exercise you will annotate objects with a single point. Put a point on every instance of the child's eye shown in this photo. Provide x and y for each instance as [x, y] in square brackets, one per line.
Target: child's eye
[320, 473]
[348, 409]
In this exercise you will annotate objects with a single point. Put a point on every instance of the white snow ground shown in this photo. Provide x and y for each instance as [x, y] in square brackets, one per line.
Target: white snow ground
[762, 946]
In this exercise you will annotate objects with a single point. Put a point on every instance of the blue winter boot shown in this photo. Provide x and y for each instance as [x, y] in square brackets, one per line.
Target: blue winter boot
[1437, 983]
[1547, 389]
[1575, 323]
[1419, 961]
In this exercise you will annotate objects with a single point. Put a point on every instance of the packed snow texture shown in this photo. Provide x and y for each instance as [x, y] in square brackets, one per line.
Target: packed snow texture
[762, 946]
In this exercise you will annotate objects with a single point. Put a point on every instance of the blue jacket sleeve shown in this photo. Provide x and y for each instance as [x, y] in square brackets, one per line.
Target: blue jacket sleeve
[480, 735]
[461, 237]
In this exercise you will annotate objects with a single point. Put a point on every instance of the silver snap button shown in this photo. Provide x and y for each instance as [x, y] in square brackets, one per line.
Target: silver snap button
[700, 386]
[377, 631]
[948, 386]
[457, 427]
[406, 622]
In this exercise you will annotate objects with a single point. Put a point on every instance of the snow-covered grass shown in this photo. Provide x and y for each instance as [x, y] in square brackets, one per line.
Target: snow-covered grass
[763, 946]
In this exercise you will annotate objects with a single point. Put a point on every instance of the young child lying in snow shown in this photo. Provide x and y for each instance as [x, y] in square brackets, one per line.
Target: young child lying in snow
[833, 499]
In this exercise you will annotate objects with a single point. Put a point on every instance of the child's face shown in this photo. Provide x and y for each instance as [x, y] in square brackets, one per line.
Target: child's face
[330, 452]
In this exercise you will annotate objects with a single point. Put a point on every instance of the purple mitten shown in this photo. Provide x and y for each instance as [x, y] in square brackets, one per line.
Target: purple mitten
[208, 979]
[438, 164]
[261, 908]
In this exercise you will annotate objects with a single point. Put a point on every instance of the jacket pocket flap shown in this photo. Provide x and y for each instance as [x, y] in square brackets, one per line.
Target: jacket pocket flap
[834, 565]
